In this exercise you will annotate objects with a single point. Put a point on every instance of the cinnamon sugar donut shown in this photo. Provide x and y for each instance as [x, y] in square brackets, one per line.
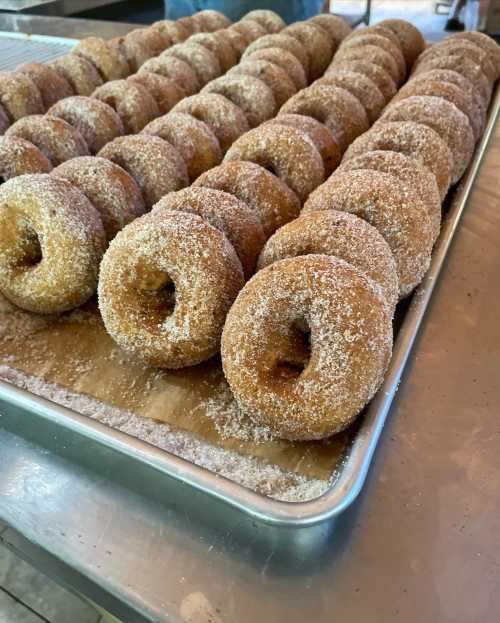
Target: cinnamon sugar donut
[269, 20]
[271, 199]
[410, 38]
[172, 31]
[20, 157]
[306, 385]
[226, 120]
[377, 74]
[203, 62]
[486, 43]
[188, 23]
[284, 59]
[375, 29]
[319, 134]
[97, 122]
[363, 89]
[134, 104]
[139, 45]
[19, 96]
[211, 20]
[444, 118]
[338, 28]
[250, 94]
[236, 39]
[175, 69]
[194, 140]
[55, 138]
[462, 48]
[165, 91]
[380, 42]
[250, 29]
[226, 213]
[4, 120]
[51, 243]
[219, 46]
[342, 235]
[155, 165]
[107, 59]
[80, 73]
[339, 110]
[52, 86]
[415, 140]
[281, 40]
[166, 284]
[272, 75]
[287, 152]
[316, 42]
[410, 172]
[397, 213]
[373, 54]
[110, 189]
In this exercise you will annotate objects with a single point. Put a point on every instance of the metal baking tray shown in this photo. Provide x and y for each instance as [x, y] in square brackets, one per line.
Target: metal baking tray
[15, 402]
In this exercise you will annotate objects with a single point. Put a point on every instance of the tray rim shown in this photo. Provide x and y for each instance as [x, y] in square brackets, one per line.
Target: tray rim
[345, 489]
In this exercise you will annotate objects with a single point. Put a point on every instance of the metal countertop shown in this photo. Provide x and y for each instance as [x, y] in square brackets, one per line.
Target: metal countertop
[420, 544]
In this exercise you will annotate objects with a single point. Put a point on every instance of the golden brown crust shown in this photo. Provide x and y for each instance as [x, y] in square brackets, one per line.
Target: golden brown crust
[373, 53]
[80, 73]
[201, 60]
[272, 75]
[377, 74]
[19, 96]
[107, 59]
[219, 46]
[410, 38]
[172, 31]
[20, 157]
[284, 59]
[165, 91]
[250, 29]
[281, 40]
[138, 46]
[175, 69]
[486, 43]
[52, 86]
[380, 42]
[236, 39]
[338, 28]
[316, 42]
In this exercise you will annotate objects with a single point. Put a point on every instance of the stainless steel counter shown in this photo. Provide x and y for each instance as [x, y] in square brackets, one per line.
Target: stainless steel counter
[419, 545]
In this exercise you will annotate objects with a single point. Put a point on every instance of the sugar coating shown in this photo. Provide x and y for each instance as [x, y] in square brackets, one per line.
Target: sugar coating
[20, 157]
[140, 45]
[410, 38]
[211, 20]
[462, 47]
[173, 31]
[316, 42]
[80, 73]
[250, 29]
[269, 20]
[272, 75]
[338, 28]
[218, 45]
[165, 91]
[52, 86]
[284, 59]
[380, 42]
[376, 73]
[486, 43]
[375, 29]
[236, 39]
[19, 96]
[176, 69]
[373, 53]
[281, 40]
[203, 62]
[108, 60]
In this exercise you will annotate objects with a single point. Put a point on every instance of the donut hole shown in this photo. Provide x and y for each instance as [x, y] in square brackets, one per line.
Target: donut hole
[294, 360]
[158, 291]
[30, 250]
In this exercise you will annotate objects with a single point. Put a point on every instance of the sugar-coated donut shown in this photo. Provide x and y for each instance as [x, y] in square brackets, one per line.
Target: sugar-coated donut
[96, 121]
[373, 54]
[306, 384]
[359, 85]
[195, 141]
[270, 20]
[140, 45]
[338, 28]
[19, 96]
[461, 48]
[226, 120]
[108, 187]
[165, 91]
[188, 23]
[410, 38]
[281, 40]
[156, 166]
[382, 42]
[80, 73]
[20, 157]
[172, 31]
[52, 85]
[55, 138]
[398, 214]
[443, 117]
[415, 140]
[175, 69]
[219, 46]
[211, 20]
[4, 120]
[486, 43]
[284, 59]
[225, 212]
[51, 243]
[376, 73]
[375, 29]
[317, 43]
[166, 284]
[287, 152]
[109, 61]
[203, 62]
[409, 171]
[272, 75]
[250, 29]
[236, 39]
[271, 199]
[342, 235]
[319, 134]
[250, 94]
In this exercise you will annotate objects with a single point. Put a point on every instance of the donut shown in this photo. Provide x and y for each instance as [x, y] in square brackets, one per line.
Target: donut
[107, 59]
[338, 28]
[306, 385]
[410, 38]
[363, 89]
[139, 45]
[341, 112]
[97, 122]
[164, 91]
[219, 46]
[172, 31]
[272, 75]
[252, 95]
[285, 151]
[52, 86]
[398, 214]
[317, 43]
[226, 120]
[319, 134]
[448, 91]
[236, 39]
[250, 29]
[109, 188]
[166, 284]
[188, 23]
[411, 174]
[175, 69]
[51, 243]
[271, 199]
[4, 120]
[375, 29]
[55, 138]
[203, 62]
[81, 74]
[286, 42]
[415, 140]
[156, 166]
[342, 235]
[373, 54]
[134, 104]
[192, 138]
[226, 213]
[383, 43]
[375, 73]
[20, 157]
[284, 59]
[444, 118]
[211, 20]
[269, 20]
[19, 96]
[487, 44]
